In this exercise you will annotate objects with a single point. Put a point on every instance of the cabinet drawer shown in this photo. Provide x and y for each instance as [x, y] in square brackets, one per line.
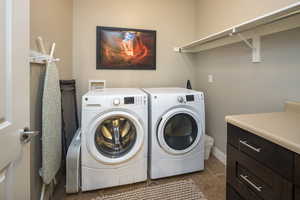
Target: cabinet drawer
[297, 193]
[231, 194]
[297, 170]
[269, 154]
[253, 181]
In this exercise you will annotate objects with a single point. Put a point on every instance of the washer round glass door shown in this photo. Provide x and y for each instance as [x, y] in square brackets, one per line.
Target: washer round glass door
[179, 131]
[115, 137]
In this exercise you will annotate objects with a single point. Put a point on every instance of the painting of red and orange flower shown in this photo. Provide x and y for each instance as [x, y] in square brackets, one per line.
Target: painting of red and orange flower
[123, 48]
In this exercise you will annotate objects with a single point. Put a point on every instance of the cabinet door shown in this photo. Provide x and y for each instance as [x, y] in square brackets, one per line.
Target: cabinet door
[297, 170]
[297, 193]
[253, 180]
[267, 153]
[231, 194]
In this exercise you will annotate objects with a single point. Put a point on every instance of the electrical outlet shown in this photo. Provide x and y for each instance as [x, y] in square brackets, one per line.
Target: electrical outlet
[210, 78]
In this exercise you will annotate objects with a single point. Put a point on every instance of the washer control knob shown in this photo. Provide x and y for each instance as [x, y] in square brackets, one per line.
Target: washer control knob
[116, 102]
[180, 99]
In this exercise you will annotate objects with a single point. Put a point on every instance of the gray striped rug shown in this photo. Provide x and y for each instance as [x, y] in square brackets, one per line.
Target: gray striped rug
[177, 190]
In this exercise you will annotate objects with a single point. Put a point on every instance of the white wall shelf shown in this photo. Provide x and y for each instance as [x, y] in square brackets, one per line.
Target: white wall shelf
[280, 20]
[39, 58]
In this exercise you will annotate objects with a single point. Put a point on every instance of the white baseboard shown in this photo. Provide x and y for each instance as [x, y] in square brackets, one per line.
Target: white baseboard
[219, 155]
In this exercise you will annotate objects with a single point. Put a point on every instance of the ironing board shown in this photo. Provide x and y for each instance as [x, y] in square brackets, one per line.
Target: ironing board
[51, 115]
[51, 126]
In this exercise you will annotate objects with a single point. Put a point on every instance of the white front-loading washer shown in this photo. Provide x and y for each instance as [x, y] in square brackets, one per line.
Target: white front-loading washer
[176, 131]
[114, 138]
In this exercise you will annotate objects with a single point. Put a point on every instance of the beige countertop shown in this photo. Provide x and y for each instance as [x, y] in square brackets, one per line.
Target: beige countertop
[282, 128]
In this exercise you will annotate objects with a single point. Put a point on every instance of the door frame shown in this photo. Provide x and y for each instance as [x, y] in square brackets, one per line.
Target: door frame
[16, 37]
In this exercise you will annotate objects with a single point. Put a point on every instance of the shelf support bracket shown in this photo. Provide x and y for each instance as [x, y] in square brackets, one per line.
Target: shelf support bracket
[177, 49]
[255, 46]
[245, 40]
[256, 51]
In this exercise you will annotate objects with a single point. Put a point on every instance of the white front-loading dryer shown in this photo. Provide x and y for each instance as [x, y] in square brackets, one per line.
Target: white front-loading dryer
[114, 138]
[176, 131]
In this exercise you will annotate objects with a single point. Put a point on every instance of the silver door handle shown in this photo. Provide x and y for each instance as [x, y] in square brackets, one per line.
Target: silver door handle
[244, 142]
[245, 178]
[27, 135]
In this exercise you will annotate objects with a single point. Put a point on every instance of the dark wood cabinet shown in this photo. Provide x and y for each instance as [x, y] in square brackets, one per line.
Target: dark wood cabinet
[258, 169]
[269, 154]
[253, 180]
[297, 170]
[232, 194]
[297, 193]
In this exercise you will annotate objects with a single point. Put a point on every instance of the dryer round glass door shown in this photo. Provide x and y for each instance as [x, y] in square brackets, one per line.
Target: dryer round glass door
[115, 137]
[179, 131]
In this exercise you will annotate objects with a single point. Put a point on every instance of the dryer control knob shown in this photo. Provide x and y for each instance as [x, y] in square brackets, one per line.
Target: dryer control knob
[180, 99]
[116, 102]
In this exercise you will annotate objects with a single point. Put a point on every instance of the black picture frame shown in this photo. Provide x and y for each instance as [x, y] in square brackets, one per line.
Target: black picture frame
[151, 59]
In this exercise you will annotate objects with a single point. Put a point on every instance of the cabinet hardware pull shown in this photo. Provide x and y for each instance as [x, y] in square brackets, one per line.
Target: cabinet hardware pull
[244, 142]
[245, 178]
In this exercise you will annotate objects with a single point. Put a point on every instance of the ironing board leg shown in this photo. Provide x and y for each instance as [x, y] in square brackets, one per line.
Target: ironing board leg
[43, 191]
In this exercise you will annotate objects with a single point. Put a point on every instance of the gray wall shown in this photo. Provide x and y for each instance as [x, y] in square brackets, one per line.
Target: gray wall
[174, 21]
[241, 86]
[213, 16]
[37, 74]
[51, 19]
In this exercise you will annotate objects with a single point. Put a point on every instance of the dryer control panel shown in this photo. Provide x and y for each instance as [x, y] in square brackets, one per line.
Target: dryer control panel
[190, 98]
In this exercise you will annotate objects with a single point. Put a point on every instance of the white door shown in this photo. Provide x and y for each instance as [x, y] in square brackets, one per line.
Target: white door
[14, 99]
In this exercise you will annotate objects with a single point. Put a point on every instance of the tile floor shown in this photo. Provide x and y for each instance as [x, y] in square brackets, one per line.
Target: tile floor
[212, 182]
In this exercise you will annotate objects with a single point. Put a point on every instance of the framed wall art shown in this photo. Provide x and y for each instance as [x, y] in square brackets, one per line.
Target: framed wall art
[125, 48]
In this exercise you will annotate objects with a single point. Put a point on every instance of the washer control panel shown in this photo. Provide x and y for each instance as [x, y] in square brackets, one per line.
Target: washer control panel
[129, 100]
[116, 101]
[93, 102]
